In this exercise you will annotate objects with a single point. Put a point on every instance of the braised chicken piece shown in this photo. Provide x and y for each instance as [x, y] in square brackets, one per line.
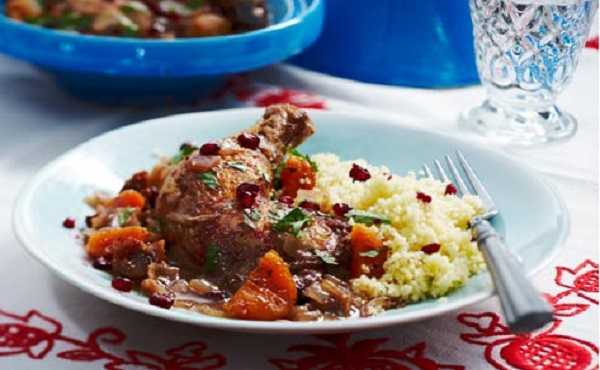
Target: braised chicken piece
[215, 205]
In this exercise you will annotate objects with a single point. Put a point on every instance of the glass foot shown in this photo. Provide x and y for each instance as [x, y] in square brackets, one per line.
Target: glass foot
[519, 127]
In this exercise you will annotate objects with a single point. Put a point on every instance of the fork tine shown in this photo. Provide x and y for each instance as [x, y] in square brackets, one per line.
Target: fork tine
[427, 171]
[441, 171]
[462, 188]
[476, 183]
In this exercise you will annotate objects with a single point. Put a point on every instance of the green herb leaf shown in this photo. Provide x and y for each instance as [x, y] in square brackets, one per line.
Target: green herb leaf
[251, 215]
[42, 20]
[237, 165]
[209, 178]
[184, 151]
[306, 157]
[293, 222]
[211, 259]
[326, 257]
[73, 21]
[372, 253]
[124, 215]
[366, 217]
[277, 175]
[134, 7]
[194, 4]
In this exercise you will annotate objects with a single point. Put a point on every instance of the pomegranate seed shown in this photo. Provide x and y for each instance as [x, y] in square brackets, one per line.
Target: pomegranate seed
[161, 300]
[286, 199]
[69, 223]
[340, 209]
[122, 284]
[246, 194]
[423, 197]
[248, 141]
[312, 206]
[210, 149]
[102, 263]
[358, 173]
[450, 189]
[430, 248]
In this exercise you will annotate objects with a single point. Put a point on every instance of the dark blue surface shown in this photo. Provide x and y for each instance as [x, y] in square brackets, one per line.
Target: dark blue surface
[425, 43]
[118, 69]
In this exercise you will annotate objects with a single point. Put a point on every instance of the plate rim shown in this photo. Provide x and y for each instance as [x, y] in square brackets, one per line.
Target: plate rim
[273, 327]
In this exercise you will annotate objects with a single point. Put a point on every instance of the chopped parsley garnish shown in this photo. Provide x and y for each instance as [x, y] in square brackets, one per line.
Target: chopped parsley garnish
[367, 218]
[124, 215]
[42, 20]
[237, 165]
[372, 253]
[195, 4]
[306, 157]
[211, 259]
[133, 7]
[251, 215]
[209, 178]
[184, 151]
[292, 222]
[326, 257]
[128, 27]
[72, 21]
[277, 175]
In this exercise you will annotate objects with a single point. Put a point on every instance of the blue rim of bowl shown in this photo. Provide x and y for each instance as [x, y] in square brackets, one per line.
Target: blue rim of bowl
[276, 327]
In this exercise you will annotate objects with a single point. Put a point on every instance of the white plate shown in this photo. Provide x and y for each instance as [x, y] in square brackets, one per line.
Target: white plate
[534, 219]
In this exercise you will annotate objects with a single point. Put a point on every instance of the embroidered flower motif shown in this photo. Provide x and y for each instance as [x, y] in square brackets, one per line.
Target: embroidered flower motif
[544, 350]
[298, 98]
[340, 354]
[32, 334]
[581, 280]
[35, 335]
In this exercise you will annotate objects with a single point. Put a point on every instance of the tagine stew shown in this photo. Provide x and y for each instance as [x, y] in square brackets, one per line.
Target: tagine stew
[143, 18]
[247, 227]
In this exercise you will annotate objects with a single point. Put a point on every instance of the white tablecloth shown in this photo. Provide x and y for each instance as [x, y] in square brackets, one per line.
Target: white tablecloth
[47, 324]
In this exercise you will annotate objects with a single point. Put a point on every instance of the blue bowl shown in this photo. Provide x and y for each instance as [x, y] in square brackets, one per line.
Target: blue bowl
[131, 70]
[425, 43]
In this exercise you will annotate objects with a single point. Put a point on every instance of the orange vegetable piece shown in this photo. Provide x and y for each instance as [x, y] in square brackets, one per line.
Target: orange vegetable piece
[365, 242]
[129, 198]
[297, 174]
[269, 292]
[100, 242]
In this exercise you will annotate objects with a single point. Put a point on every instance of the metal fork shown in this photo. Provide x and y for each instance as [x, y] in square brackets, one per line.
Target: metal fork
[525, 310]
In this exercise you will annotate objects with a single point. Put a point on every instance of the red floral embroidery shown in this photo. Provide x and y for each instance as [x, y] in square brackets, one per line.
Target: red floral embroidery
[581, 280]
[298, 98]
[340, 354]
[592, 43]
[544, 350]
[243, 90]
[35, 335]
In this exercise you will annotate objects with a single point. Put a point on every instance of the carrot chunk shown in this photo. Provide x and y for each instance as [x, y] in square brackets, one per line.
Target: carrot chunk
[129, 198]
[269, 292]
[100, 242]
[297, 174]
[368, 252]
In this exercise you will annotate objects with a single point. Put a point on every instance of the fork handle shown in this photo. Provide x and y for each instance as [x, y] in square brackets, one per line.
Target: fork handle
[525, 310]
